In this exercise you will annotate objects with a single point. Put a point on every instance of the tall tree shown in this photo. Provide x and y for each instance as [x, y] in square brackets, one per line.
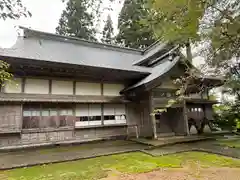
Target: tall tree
[132, 33]
[77, 20]
[190, 21]
[108, 31]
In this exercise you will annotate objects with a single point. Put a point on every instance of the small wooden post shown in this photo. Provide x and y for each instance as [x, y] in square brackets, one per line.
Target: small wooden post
[185, 116]
[153, 116]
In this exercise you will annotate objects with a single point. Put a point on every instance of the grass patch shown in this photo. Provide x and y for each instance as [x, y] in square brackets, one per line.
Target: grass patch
[97, 168]
[233, 143]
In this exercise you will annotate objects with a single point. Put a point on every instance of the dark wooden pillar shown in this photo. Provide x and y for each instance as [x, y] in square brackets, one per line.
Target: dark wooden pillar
[153, 119]
[185, 117]
[208, 95]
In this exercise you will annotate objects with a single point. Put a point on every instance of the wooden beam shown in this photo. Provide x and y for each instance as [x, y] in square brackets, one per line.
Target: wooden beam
[74, 87]
[22, 97]
[101, 89]
[185, 117]
[50, 86]
[102, 113]
[23, 84]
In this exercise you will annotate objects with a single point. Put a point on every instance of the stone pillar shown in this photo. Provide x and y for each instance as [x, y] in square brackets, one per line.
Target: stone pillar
[185, 117]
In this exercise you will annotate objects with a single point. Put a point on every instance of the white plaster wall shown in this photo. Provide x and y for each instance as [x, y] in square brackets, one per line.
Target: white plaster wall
[83, 88]
[14, 86]
[114, 109]
[82, 110]
[94, 109]
[112, 89]
[120, 109]
[37, 86]
[108, 109]
[62, 87]
[88, 110]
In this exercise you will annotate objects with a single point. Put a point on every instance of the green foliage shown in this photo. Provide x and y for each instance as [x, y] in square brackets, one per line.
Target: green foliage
[97, 168]
[12, 9]
[132, 32]
[77, 20]
[183, 21]
[108, 31]
[224, 33]
[227, 114]
[176, 20]
[4, 74]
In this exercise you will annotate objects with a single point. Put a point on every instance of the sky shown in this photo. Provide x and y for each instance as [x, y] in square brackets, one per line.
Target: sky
[45, 17]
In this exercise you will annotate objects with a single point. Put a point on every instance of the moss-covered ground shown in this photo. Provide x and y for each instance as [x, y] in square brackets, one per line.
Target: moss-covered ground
[97, 168]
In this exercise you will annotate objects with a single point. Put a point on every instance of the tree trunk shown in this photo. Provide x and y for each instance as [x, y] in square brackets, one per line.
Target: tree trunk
[189, 51]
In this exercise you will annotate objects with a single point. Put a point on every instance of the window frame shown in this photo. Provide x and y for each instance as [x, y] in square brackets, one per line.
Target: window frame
[46, 121]
[89, 120]
[114, 120]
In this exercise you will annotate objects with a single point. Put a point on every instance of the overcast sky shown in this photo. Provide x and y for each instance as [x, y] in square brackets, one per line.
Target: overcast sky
[45, 17]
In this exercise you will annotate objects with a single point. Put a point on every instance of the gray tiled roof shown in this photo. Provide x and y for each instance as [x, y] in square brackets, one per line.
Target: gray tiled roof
[148, 54]
[50, 48]
[157, 72]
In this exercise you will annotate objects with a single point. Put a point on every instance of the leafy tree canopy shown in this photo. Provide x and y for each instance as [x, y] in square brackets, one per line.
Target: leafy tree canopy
[189, 21]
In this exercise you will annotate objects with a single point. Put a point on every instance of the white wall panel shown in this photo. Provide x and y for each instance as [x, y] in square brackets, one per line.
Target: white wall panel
[82, 110]
[94, 123]
[83, 88]
[14, 86]
[120, 109]
[81, 123]
[108, 109]
[62, 87]
[94, 109]
[112, 89]
[108, 122]
[36, 86]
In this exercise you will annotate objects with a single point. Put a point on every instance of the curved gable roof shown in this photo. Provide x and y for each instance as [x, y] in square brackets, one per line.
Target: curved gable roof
[157, 72]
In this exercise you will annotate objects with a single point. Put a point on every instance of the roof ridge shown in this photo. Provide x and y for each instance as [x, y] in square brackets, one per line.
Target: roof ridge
[27, 30]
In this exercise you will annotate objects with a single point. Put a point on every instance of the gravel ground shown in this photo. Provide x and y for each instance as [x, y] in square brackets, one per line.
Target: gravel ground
[182, 174]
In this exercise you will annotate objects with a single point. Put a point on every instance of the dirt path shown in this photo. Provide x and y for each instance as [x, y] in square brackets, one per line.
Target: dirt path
[182, 174]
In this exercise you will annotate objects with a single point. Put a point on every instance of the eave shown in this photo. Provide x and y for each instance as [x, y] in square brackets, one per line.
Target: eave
[29, 67]
[60, 98]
